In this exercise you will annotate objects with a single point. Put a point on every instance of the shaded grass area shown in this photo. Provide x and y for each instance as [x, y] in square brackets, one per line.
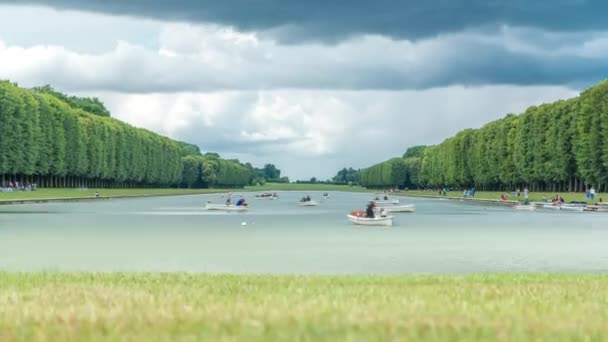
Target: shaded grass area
[495, 195]
[130, 306]
[90, 193]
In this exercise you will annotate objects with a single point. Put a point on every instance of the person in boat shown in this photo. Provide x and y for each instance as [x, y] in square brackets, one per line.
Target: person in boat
[526, 201]
[369, 212]
[228, 201]
[385, 198]
[241, 202]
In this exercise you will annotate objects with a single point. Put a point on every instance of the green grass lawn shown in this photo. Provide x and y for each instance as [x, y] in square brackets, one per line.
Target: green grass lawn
[305, 187]
[495, 195]
[160, 307]
[77, 193]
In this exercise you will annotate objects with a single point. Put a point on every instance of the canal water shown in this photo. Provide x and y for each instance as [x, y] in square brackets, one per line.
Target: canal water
[178, 234]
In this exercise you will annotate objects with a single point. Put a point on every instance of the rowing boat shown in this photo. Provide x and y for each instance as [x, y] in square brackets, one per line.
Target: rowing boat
[225, 207]
[309, 203]
[525, 207]
[381, 203]
[358, 217]
[407, 208]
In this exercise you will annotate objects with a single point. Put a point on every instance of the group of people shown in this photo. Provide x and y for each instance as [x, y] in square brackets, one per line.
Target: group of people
[305, 198]
[468, 192]
[385, 198]
[17, 186]
[555, 200]
[517, 193]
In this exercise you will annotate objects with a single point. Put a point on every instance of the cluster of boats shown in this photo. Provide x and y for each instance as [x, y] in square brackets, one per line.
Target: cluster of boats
[381, 212]
[241, 205]
[576, 207]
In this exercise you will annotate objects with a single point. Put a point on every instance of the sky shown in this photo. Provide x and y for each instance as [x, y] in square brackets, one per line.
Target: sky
[311, 86]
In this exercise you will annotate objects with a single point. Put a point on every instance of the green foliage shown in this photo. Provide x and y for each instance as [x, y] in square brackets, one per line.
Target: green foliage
[558, 146]
[187, 149]
[54, 137]
[347, 176]
[87, 104]
[414, 151]
[45, 135]
[271, 172]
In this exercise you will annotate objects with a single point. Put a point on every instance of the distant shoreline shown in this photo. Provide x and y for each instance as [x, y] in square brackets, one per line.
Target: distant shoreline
[76, 195]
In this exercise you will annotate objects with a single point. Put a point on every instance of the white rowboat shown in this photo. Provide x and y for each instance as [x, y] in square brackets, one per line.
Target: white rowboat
[367, 221]
[551, 206]
[567, 207]
[525, 207]
[407, 208]
[224, 207]
[309, 204]
[577, 208]
[384, 203]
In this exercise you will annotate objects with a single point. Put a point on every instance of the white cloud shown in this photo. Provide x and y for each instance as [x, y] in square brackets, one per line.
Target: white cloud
[300, 106]
[314, 133]
[212, 58]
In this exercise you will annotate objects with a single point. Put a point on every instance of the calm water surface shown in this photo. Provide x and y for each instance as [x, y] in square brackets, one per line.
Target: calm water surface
[177, 234]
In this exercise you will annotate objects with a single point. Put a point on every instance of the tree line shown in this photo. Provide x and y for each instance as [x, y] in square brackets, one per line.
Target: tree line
[53, 140]
[560, 146]
[403, 172]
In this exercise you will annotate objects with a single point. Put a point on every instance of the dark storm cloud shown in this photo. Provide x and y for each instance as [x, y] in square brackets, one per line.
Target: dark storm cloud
[333, 20]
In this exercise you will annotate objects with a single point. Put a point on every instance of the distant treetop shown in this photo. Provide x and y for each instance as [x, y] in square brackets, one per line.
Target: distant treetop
[91, 105]
[414, 151]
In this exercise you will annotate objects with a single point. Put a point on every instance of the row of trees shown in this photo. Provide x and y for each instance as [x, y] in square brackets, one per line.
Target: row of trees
[401, 172]
[205, 171]
[209, 170]
[347, 176]
[49, 139]
[557, 147]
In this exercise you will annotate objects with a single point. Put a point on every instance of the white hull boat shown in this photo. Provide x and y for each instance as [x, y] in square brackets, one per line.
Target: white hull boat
[385, 203]
[368, 221]
[529, 207]
[551, 206]
[577, 208]
[407, 208]
[225, 207]
[309, 204]
[267, 198]
[565, 207]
